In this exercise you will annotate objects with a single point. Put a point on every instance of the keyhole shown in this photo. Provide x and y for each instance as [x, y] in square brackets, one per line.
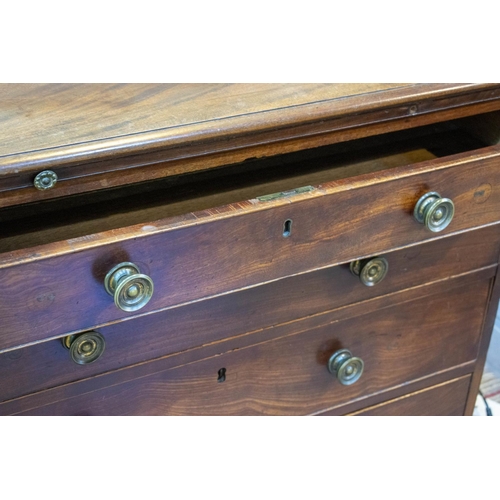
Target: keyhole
[287, 228]
[222, 375]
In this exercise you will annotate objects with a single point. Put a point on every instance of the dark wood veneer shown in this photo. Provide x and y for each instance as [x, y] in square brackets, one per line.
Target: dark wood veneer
[288, 375]
[245, 314]
[47, 364]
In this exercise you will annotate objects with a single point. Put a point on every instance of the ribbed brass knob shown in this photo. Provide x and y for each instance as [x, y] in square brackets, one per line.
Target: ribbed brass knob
[345, 367]
[370, 271]
[130, 289]
[434, 212]
[85, 348]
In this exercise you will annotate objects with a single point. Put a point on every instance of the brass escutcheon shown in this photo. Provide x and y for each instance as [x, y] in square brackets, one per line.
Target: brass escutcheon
[130, 289]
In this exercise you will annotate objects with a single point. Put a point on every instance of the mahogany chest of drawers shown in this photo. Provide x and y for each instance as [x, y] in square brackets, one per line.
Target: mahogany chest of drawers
[316, 249]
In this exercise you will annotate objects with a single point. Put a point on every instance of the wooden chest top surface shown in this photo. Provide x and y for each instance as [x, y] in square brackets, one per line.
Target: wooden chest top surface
[45, 116]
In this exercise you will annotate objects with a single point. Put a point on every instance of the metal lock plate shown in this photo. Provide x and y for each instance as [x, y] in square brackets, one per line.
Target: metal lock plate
[284, 194]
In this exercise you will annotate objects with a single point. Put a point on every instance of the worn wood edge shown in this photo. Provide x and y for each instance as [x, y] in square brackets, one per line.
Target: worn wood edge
[245, 207]
[249, 339]
[405, 396]
[246, 125]
[400, 391]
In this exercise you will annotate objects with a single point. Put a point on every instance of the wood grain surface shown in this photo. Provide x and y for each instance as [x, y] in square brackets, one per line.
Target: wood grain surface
[230, 290]
[99, 136]
[288, 375]
[148, 337]
[53, 115]
[446, 399]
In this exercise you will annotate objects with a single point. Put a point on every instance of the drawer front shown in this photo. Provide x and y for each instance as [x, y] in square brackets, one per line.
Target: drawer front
[289, 374]
[48, 364]
[59, 288]
[447, 399]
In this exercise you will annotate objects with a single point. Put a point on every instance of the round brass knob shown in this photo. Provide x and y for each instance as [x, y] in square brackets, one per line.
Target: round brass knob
[370, 271]
[85, 348]
[347, 368]
[45, 180]
[433, 211]
[130, 289]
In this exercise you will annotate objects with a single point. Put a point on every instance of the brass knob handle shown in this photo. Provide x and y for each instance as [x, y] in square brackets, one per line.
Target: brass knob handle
[345, 367]
[130, 289]
[433, 211]
[370, 271]
[85, 348]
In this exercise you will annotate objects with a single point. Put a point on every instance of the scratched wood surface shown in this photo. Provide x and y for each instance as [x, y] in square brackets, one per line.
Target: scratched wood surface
[288, 375]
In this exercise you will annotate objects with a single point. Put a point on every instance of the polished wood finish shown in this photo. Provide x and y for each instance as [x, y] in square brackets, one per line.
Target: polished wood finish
[245, 312]
[288, 374]
[446, 399]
